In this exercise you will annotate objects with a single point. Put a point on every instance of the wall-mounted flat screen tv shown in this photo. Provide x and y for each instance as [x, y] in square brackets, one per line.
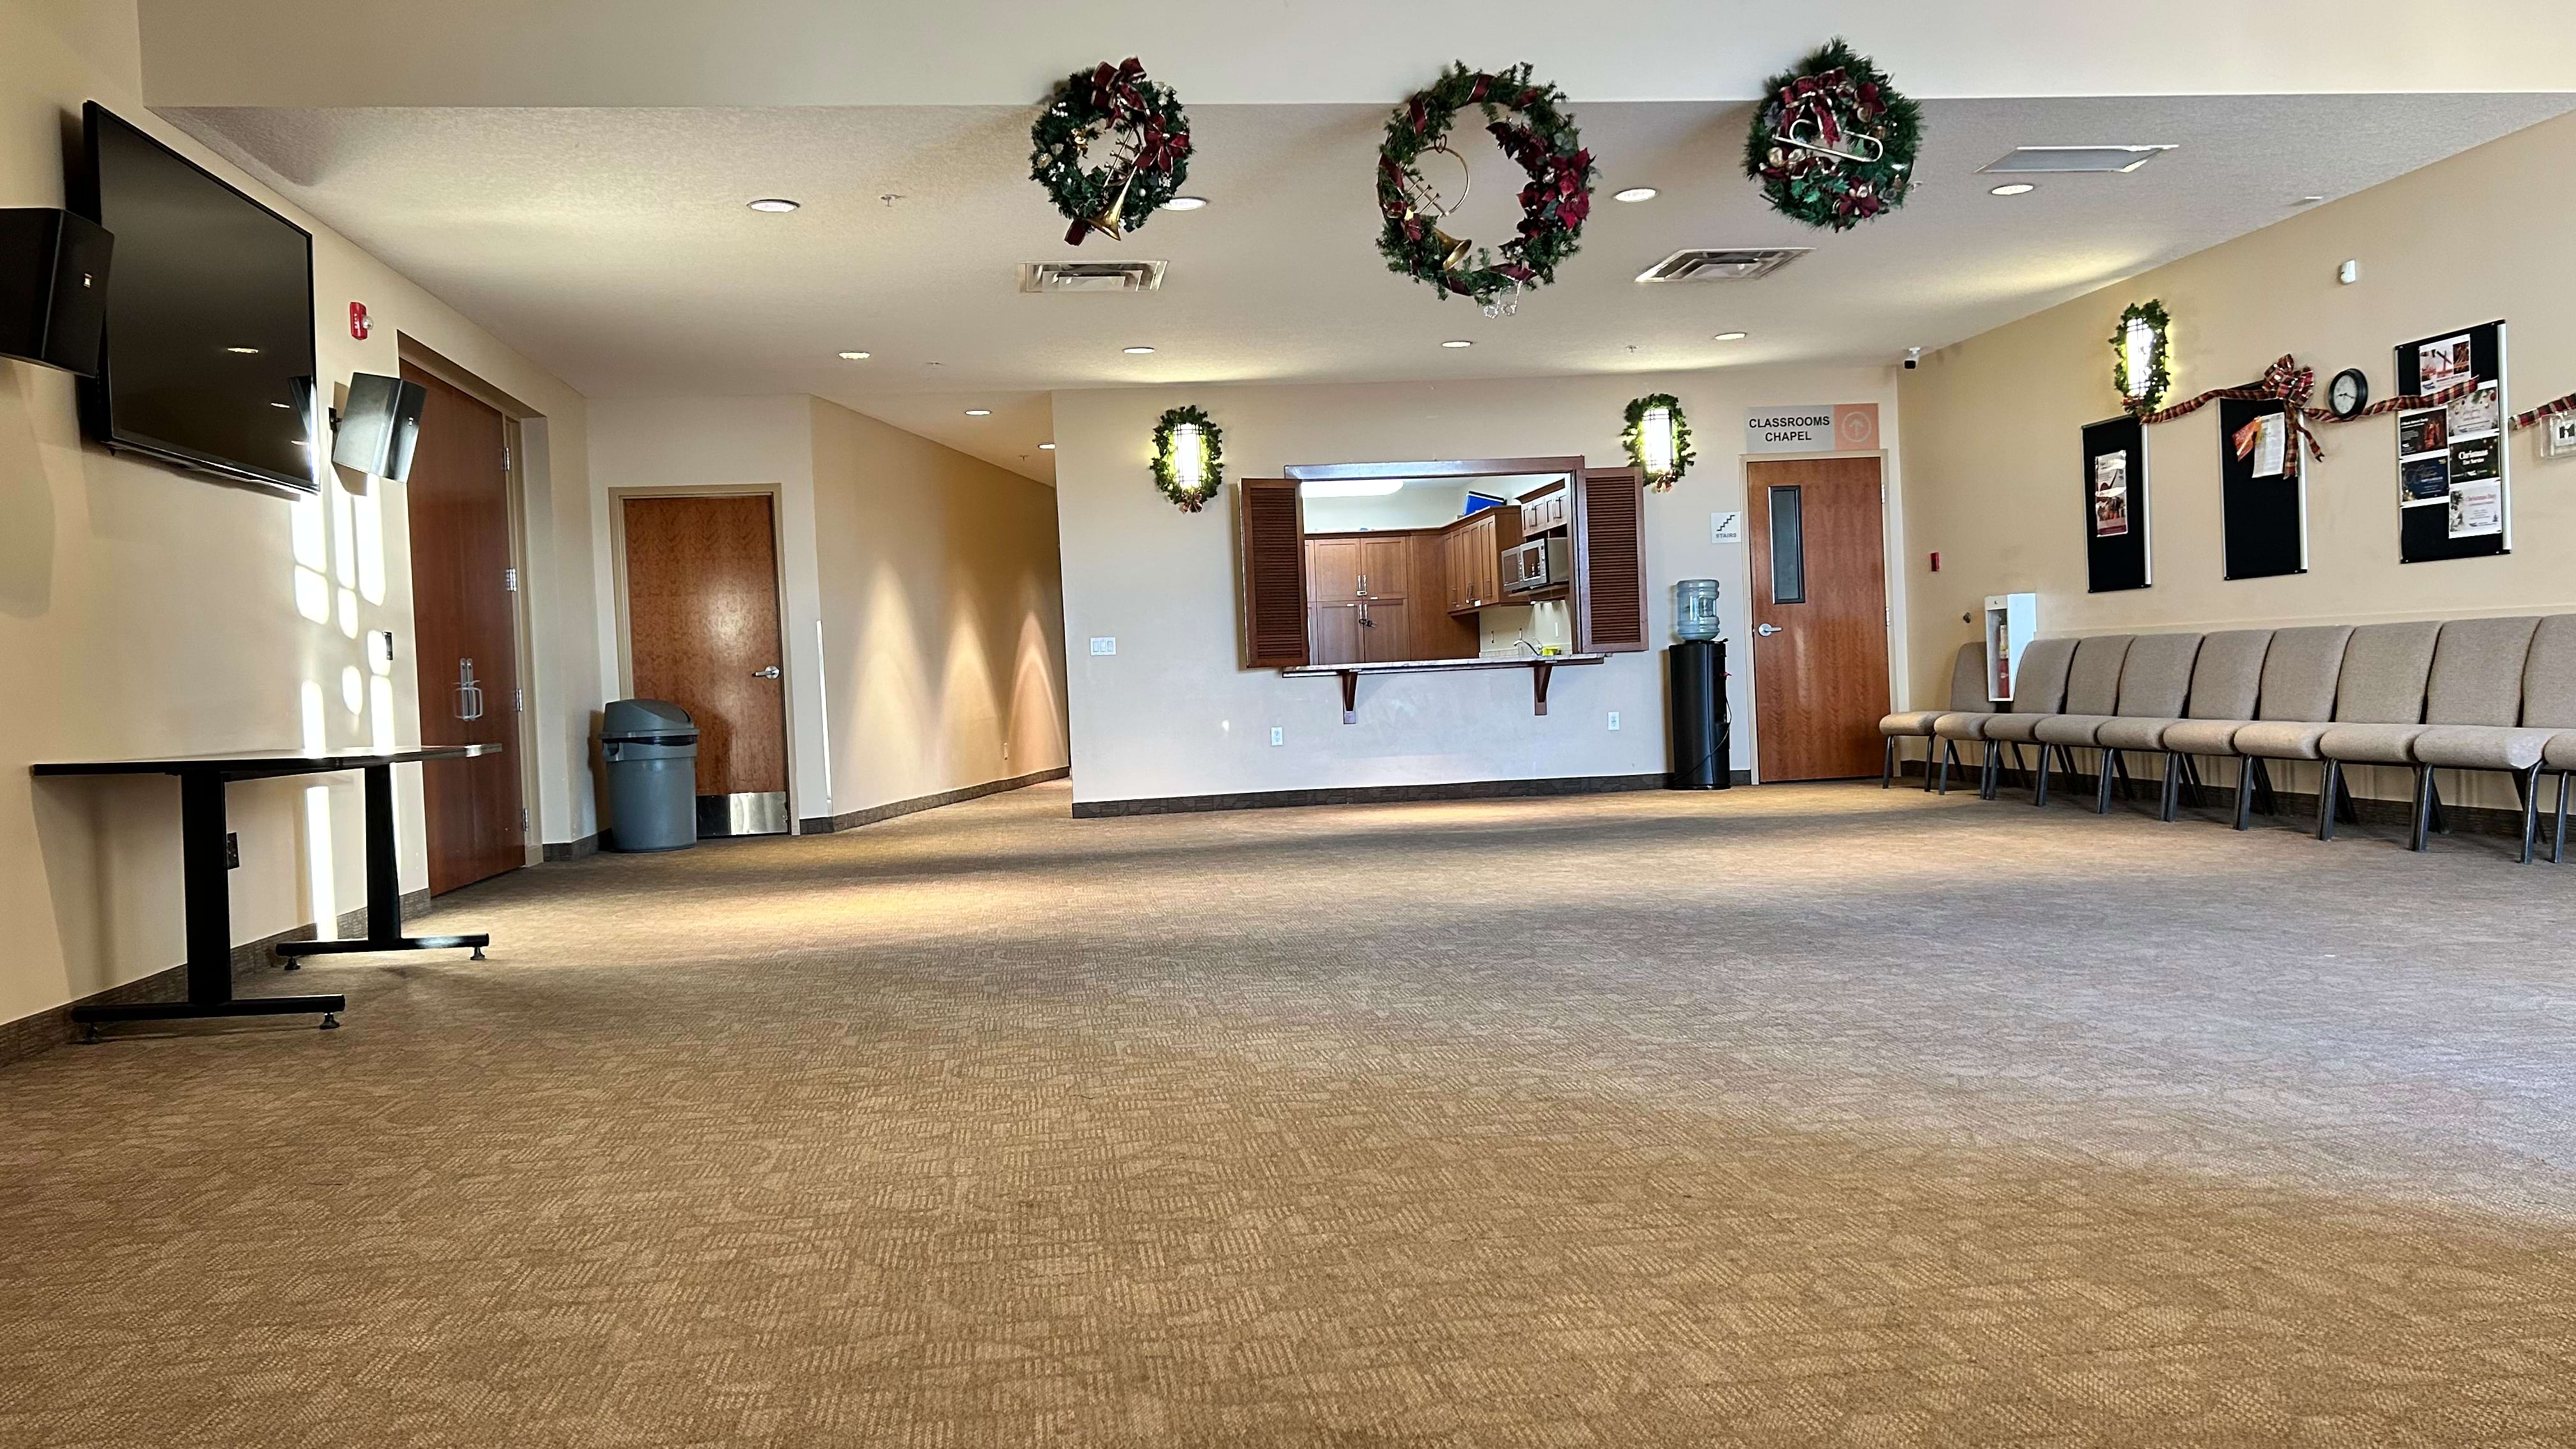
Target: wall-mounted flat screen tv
[209, 360]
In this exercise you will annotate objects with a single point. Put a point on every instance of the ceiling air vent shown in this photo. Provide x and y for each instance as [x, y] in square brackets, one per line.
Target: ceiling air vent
[1087, 277]
[2062, 160]
[1721, 264]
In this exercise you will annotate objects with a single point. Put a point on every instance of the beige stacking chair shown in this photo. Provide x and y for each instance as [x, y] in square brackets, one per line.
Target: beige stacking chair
[2381, 682]
[2226, 679]
[2092, 694]
[1967, 695]
[2471, 712]
[2155, 679]
[2038, 688]
[2298, 683]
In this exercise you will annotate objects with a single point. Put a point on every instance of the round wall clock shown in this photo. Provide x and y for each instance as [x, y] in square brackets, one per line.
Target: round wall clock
[2348, 393]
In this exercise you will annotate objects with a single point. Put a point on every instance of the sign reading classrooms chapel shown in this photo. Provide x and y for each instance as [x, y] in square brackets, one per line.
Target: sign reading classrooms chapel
[1812, 428]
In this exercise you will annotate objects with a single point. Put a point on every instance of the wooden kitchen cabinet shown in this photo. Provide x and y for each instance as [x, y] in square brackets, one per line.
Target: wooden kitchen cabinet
[1333, 633]
[1386, 566]
[1332, 569]
[1475, 558]
[1385, 632]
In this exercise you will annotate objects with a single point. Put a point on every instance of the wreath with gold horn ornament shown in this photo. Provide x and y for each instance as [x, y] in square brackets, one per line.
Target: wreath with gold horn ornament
[1529, 122]
[1834, 144]
[1141, 117]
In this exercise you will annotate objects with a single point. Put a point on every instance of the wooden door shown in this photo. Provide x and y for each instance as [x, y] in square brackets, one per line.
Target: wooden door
[1819, 616]
[1384, 566]
[1385, 631]
[702, 632]
[1332, 569]
[465, 635]
[1334, 635]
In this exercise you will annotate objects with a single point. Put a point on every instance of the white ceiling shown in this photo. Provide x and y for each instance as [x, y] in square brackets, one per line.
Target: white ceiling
[612, 245]
[1259, 52]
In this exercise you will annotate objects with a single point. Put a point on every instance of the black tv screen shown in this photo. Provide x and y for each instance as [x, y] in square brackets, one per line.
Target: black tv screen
[209, 361]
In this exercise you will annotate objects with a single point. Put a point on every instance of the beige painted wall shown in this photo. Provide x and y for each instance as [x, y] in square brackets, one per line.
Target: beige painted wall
[147, 611]
[1173, 712]
[1992, 466]
[920, 606]
[942, 613]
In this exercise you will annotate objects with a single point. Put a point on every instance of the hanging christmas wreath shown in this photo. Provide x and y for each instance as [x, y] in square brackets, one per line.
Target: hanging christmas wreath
[1152, 136]
[2152, 329]
[1189, 457]
[1662, 460]
[1528, 121]
[1834, 144]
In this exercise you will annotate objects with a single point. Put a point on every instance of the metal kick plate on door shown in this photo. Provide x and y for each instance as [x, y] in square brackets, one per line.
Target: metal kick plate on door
[757, 813]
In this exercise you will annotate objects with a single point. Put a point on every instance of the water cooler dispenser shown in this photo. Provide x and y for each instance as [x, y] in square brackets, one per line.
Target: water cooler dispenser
[1702, 752]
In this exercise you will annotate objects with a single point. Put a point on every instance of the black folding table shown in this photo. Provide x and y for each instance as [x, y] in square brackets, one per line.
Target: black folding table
[202, 779]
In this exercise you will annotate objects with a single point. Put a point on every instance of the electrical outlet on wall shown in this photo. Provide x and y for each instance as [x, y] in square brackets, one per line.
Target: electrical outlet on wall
[1614, 719]
[1104, 644]
[1278, 736]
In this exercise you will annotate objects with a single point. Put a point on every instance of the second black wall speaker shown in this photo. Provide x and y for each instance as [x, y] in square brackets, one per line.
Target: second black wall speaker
[380, 426]
[53, 287]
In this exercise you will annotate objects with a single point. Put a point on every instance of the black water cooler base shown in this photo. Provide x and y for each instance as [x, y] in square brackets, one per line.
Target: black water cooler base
[1702, 750]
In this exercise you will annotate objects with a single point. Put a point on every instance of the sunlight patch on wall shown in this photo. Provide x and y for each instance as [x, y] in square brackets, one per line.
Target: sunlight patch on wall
[312, 594]
[319, 876]
[370, 507]
[315, 732]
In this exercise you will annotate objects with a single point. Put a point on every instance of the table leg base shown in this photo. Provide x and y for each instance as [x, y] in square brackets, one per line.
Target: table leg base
[329, 1008]
[363, 946]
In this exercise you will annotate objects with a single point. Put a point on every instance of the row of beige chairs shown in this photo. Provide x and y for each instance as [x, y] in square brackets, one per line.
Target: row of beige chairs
[2465, 694]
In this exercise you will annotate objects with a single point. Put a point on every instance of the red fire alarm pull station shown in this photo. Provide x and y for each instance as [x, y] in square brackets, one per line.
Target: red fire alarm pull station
[1936, 563]
[360, 324]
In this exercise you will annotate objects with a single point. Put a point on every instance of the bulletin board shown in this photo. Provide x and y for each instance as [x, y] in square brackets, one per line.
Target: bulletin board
[2263, 495]
[2115, 506]
[2454, 495]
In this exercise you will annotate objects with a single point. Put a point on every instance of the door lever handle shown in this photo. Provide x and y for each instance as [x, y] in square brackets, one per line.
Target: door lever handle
[770, 673]
[1767, 630]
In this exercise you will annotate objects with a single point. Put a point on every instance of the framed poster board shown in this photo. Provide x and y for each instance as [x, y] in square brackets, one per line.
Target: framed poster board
[2454, 499]
[2115, 507]
[2263, 497]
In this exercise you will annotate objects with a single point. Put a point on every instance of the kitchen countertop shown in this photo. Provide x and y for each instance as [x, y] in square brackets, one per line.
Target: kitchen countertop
[1426, 666]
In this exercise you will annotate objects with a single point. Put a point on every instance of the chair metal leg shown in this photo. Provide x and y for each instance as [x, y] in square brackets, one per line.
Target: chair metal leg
[2264, 795]
[1949, 757]
[1887, 772]
[2120, 767]
[2558, 837]
[1990, 772]
[2247, 771]
[2039, 795]
[2326, 799]
[2102, 785]
[1929, 742]
[2418, 838]
[2191, 780]
[2169, 806]
[2527, 784]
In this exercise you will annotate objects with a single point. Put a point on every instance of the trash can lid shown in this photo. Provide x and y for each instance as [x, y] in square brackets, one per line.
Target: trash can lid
[651, 721]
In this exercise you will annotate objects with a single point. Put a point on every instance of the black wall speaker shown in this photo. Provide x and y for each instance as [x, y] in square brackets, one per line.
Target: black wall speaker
[53, 287]
[379, 426]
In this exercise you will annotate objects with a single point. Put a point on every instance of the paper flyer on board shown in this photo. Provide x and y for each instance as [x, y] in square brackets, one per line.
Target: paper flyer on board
[2111, 495]
[2477, 509]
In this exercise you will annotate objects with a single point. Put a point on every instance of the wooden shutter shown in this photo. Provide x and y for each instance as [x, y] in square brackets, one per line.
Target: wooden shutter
[1609, 561]
[1271, 526]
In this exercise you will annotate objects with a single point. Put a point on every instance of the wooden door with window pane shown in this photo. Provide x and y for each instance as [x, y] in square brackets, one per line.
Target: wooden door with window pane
[465, 635]
[1815, 527]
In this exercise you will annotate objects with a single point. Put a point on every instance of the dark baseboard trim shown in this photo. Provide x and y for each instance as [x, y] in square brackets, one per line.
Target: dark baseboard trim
[823, 825]
[1372, 795]
[45, 1030]
[559, 851]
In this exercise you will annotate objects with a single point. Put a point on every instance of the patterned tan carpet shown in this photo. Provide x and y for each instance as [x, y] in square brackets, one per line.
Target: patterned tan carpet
[1793, 1116]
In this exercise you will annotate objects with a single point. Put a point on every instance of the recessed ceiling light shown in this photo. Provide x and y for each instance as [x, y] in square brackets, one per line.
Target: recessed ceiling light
[1634, 193]
[2015, 188]
[243, 351]
[854, 357]
[1731, 336]
[1185, 203]
[1046, 447]
[773, 203]
[1136, 351]
[979, 412]
[1457, 342]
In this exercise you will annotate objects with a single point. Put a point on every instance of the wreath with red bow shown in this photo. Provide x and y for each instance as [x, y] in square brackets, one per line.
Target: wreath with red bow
[1529, 122]
[1152, 136]
[1834, 144]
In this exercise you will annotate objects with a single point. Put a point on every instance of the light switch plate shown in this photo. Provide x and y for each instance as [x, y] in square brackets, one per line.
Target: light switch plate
[1278, 736]
[1726, 527]
[1104, 644]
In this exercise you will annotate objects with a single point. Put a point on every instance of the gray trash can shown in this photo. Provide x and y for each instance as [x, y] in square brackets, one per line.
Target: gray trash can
[651, 746]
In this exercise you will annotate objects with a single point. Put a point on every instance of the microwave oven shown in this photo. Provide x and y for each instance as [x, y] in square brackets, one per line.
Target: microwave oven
[1541, 563]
